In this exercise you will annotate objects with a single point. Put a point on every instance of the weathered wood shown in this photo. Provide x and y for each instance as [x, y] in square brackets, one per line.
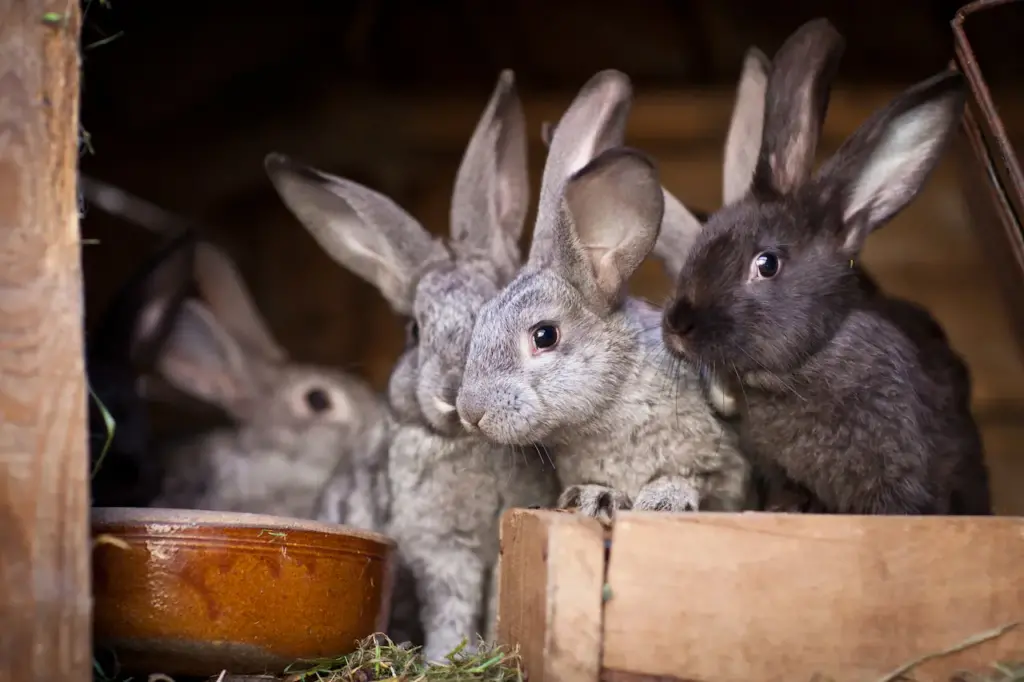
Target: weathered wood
[552, 570]
[785, 597]
[45, 604]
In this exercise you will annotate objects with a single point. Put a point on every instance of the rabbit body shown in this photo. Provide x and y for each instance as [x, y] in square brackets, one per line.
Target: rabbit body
[850, 401]
[448, 497]
[448, 489]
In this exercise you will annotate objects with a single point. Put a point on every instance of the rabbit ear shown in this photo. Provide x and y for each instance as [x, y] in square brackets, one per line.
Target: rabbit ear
[679, 230]
[492, 192]
[595, 121]
[116, 201]
[796, 100]
[163, 288]
[201, 359]
[743, 141]
[138, 319]
[359, 228]
[610, 218]
[223, 289]
[884, 165]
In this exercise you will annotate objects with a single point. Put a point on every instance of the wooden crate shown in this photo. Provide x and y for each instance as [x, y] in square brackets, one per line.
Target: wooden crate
[759, 597]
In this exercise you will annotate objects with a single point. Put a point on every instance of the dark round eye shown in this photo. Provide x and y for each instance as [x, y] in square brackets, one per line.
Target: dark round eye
[544, 337]
[767, 265]
[412, 333]
[318, 400]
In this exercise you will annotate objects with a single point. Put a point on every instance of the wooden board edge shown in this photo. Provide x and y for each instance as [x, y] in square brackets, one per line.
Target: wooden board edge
[995, 613]
[550, 604]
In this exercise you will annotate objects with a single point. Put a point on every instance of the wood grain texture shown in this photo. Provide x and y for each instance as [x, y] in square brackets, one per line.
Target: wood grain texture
[552, 571]
[45, 605]
[784, 597]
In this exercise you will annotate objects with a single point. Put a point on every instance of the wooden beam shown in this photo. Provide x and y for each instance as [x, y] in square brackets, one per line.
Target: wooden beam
[366, 127]
[45, 604]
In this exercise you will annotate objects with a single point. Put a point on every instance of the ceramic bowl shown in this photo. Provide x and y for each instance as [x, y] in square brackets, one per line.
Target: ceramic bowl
[194, 592]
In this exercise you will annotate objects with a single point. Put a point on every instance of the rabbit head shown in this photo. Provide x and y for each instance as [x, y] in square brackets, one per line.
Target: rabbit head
[438, 284]
[222, 353]
[772, 276]
[550, 348]
[120, 350]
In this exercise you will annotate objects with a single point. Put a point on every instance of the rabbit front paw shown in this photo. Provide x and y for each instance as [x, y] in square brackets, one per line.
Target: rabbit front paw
[598, 501]
[671, 494]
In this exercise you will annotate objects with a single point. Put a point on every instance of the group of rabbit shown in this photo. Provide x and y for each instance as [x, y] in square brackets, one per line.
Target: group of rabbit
[778, 376]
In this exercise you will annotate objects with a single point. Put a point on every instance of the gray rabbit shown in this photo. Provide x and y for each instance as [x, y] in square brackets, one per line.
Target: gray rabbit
[851, 402]
[309, 442]
[448, 488]
[562, 356]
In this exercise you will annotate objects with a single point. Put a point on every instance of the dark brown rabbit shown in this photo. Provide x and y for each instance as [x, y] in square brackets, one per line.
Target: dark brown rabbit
[851, 402]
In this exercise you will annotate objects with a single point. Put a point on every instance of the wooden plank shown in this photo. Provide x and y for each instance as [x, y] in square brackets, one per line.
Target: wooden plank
[552, 572]
[786, 597]
[45, 603]
[387, 129]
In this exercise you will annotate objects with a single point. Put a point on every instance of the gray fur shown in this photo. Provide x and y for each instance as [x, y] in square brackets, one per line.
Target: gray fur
[623, 429]
[851, 402]
[448, 489]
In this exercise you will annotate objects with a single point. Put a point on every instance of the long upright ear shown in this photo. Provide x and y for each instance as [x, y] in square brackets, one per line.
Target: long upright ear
[679, 226]
[359, 228]
[201, 359]
[679, 230]
[884, 165]
[796, 101]
[222, 287]
[610, 218]
[594, 122]
[139, 317]
[743, 141]
[492, 187]
[163, 289]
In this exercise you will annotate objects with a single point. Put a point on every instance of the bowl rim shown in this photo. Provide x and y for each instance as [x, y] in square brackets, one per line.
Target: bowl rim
[202, 518]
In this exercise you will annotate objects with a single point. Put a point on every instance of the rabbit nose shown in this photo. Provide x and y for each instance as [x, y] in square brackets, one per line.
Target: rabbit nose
[679, 318]
[470, 412]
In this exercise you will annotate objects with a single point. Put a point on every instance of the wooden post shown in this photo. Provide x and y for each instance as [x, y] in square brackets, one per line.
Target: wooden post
[45, 603]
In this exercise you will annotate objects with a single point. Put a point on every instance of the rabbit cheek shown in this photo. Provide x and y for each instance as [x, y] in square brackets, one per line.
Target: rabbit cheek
[402, 389]
[436, 392]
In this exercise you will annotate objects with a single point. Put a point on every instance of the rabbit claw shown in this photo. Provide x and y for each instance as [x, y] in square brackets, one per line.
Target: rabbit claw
[597, 501]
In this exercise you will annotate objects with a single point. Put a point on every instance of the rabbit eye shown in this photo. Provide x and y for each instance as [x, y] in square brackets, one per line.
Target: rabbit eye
[412, 333]
[767, 265]
[318, 400]
[544, 337]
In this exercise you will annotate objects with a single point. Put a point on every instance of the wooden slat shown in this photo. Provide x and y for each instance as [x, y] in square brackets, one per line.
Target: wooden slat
[552, 570]
[786, 597]
[353, 126]
[45, 605]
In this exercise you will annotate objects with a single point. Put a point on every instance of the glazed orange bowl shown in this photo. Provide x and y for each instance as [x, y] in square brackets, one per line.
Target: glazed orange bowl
[195, 592]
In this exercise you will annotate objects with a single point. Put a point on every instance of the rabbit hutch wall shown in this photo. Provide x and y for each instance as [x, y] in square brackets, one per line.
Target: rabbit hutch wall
[182, 102]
